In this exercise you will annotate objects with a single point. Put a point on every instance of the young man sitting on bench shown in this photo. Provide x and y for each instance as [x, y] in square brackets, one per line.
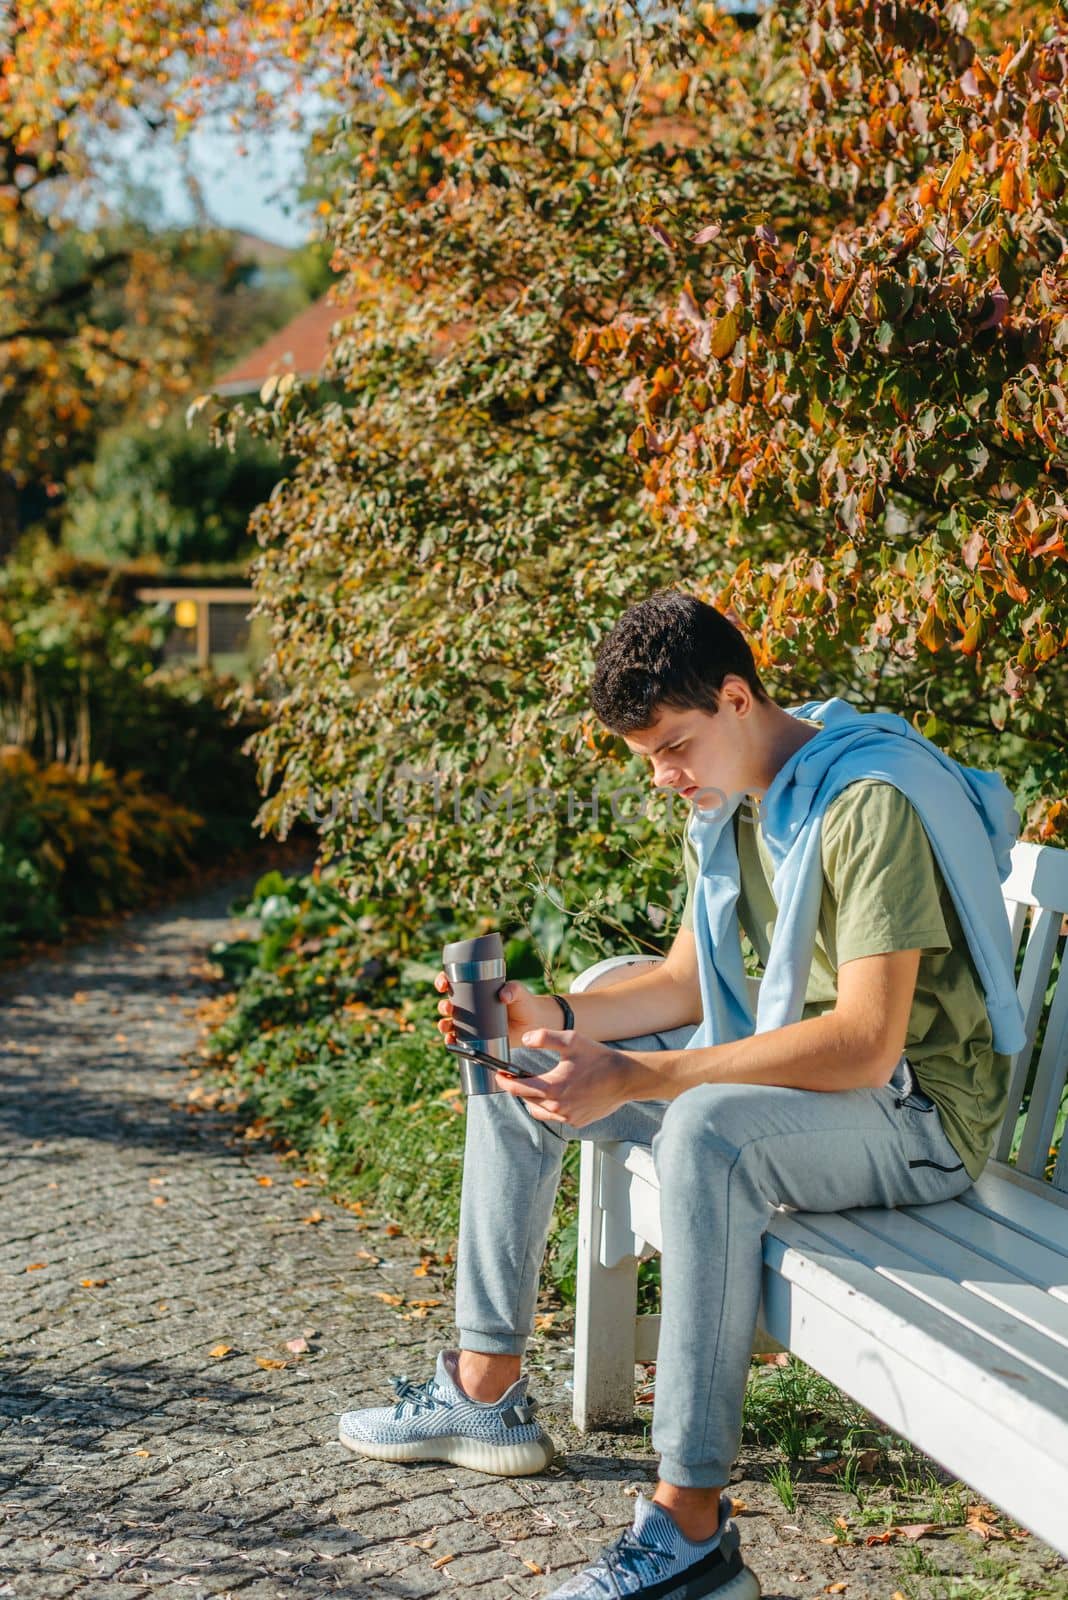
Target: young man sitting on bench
[864, 867]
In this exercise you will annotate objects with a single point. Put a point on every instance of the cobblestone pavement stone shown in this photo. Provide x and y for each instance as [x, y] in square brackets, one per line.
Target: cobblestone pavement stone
[137, 1239]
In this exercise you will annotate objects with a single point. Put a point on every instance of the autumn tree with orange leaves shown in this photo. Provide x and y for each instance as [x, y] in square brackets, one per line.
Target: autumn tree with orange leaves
[91, 328]
[770, 306]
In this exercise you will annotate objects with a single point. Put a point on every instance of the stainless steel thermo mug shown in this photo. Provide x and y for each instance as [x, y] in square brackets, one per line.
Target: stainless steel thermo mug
[476, 971]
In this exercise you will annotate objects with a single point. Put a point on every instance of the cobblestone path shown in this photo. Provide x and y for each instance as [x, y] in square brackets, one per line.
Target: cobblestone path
[137, 1239]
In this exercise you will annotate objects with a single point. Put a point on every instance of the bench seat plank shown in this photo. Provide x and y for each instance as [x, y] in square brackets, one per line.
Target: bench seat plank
[934, 1384]
[998, 1284]
[1036, 1362]
[1000, 1243]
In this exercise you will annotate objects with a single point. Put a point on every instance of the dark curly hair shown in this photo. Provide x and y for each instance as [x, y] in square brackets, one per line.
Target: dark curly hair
[668, 650]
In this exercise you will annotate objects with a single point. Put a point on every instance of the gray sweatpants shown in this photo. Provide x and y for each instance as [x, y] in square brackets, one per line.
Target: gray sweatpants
[725, 1156]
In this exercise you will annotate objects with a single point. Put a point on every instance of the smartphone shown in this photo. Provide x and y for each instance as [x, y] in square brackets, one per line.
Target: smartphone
[486, 1060]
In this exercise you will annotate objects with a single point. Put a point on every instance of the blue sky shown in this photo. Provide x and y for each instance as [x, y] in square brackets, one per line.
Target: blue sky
[254, 191]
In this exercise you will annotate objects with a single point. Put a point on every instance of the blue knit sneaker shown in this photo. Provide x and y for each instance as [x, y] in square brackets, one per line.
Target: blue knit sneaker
[436, 1421]
[655, 1559]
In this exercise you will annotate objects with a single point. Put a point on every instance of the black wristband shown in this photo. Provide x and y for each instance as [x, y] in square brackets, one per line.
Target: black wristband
[569, 1015]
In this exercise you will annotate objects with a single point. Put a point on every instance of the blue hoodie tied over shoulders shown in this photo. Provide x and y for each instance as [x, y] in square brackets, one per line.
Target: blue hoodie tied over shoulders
[969, 818]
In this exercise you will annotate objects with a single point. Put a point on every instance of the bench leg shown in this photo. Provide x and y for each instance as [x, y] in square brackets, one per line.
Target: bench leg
[606, 1306]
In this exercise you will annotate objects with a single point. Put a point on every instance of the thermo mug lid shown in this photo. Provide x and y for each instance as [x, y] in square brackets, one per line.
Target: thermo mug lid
[486, 947]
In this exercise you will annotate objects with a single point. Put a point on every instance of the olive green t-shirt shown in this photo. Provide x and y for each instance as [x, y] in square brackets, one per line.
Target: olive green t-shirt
[883, 891]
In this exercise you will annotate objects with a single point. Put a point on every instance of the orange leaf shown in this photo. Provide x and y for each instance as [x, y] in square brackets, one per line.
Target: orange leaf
[442, 1561]
[269, 1364]
[835, 1588]
[931, 632]
[220, 1350]
[310, 1221]
[391, 1229]
[92, 1283]
[533, 1565]
[264, 1180]
[389, 1299]
[724, 335]
[952, 180]
[35, 1266]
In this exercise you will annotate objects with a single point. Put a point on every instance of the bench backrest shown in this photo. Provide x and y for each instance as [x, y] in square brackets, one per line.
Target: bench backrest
[1036, 899]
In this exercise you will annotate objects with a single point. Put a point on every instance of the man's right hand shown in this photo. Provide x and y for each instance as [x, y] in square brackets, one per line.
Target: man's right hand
[525, 1010]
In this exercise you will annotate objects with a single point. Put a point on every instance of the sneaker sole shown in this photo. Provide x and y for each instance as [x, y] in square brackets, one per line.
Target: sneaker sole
[503, 1460]
[746, 1586]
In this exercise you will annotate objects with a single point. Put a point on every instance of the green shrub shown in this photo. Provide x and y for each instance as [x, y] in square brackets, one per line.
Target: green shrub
[80, 843]
[331, 1043]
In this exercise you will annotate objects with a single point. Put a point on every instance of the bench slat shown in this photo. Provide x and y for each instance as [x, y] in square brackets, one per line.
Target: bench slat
[1030, 1214]
[1032, 1357]
[1048, 1085]
[1001, 1244]
[1034, 976]
[963, 1360]
[1000, 1286]
[901, 1379]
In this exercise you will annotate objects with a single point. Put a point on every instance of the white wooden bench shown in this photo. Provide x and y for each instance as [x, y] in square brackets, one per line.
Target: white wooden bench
[949, 1321]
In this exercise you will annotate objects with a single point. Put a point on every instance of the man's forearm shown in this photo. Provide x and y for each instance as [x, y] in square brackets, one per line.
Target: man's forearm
[651, 1002]
[825, 1053]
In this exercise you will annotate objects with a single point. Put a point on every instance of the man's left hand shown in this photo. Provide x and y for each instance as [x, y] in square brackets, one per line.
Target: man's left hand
[589, 1081]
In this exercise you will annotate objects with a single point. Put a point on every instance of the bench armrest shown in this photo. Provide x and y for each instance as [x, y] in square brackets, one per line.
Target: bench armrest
[613, 969]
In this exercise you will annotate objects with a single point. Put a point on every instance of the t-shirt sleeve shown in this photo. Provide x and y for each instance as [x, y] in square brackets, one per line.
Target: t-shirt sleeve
[689, 861]
[882, 882]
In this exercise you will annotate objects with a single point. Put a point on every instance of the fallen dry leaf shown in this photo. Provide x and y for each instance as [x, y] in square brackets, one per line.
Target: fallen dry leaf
[142, 1452]
[421, 1270]
[301, 1183]
[544, 1321]
[533, 1565]
[92, 1283]
[159, 1200]
[220, 1350]
[389, 1299]
[35, 1266]
[881, 1538]
[738, 1507]
[299, 1346]
[868, 1460]
[264, 1180]
[835, 1588]
[391, 1228]
[311, 1220]
[368, 1255]
[840, 1522]
[442, 1561]
[774, 1358]
[269, 1364]
[424, 1302]
[916, 1530]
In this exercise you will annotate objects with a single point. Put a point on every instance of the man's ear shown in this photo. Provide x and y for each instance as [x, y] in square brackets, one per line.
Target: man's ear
[735, 695]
